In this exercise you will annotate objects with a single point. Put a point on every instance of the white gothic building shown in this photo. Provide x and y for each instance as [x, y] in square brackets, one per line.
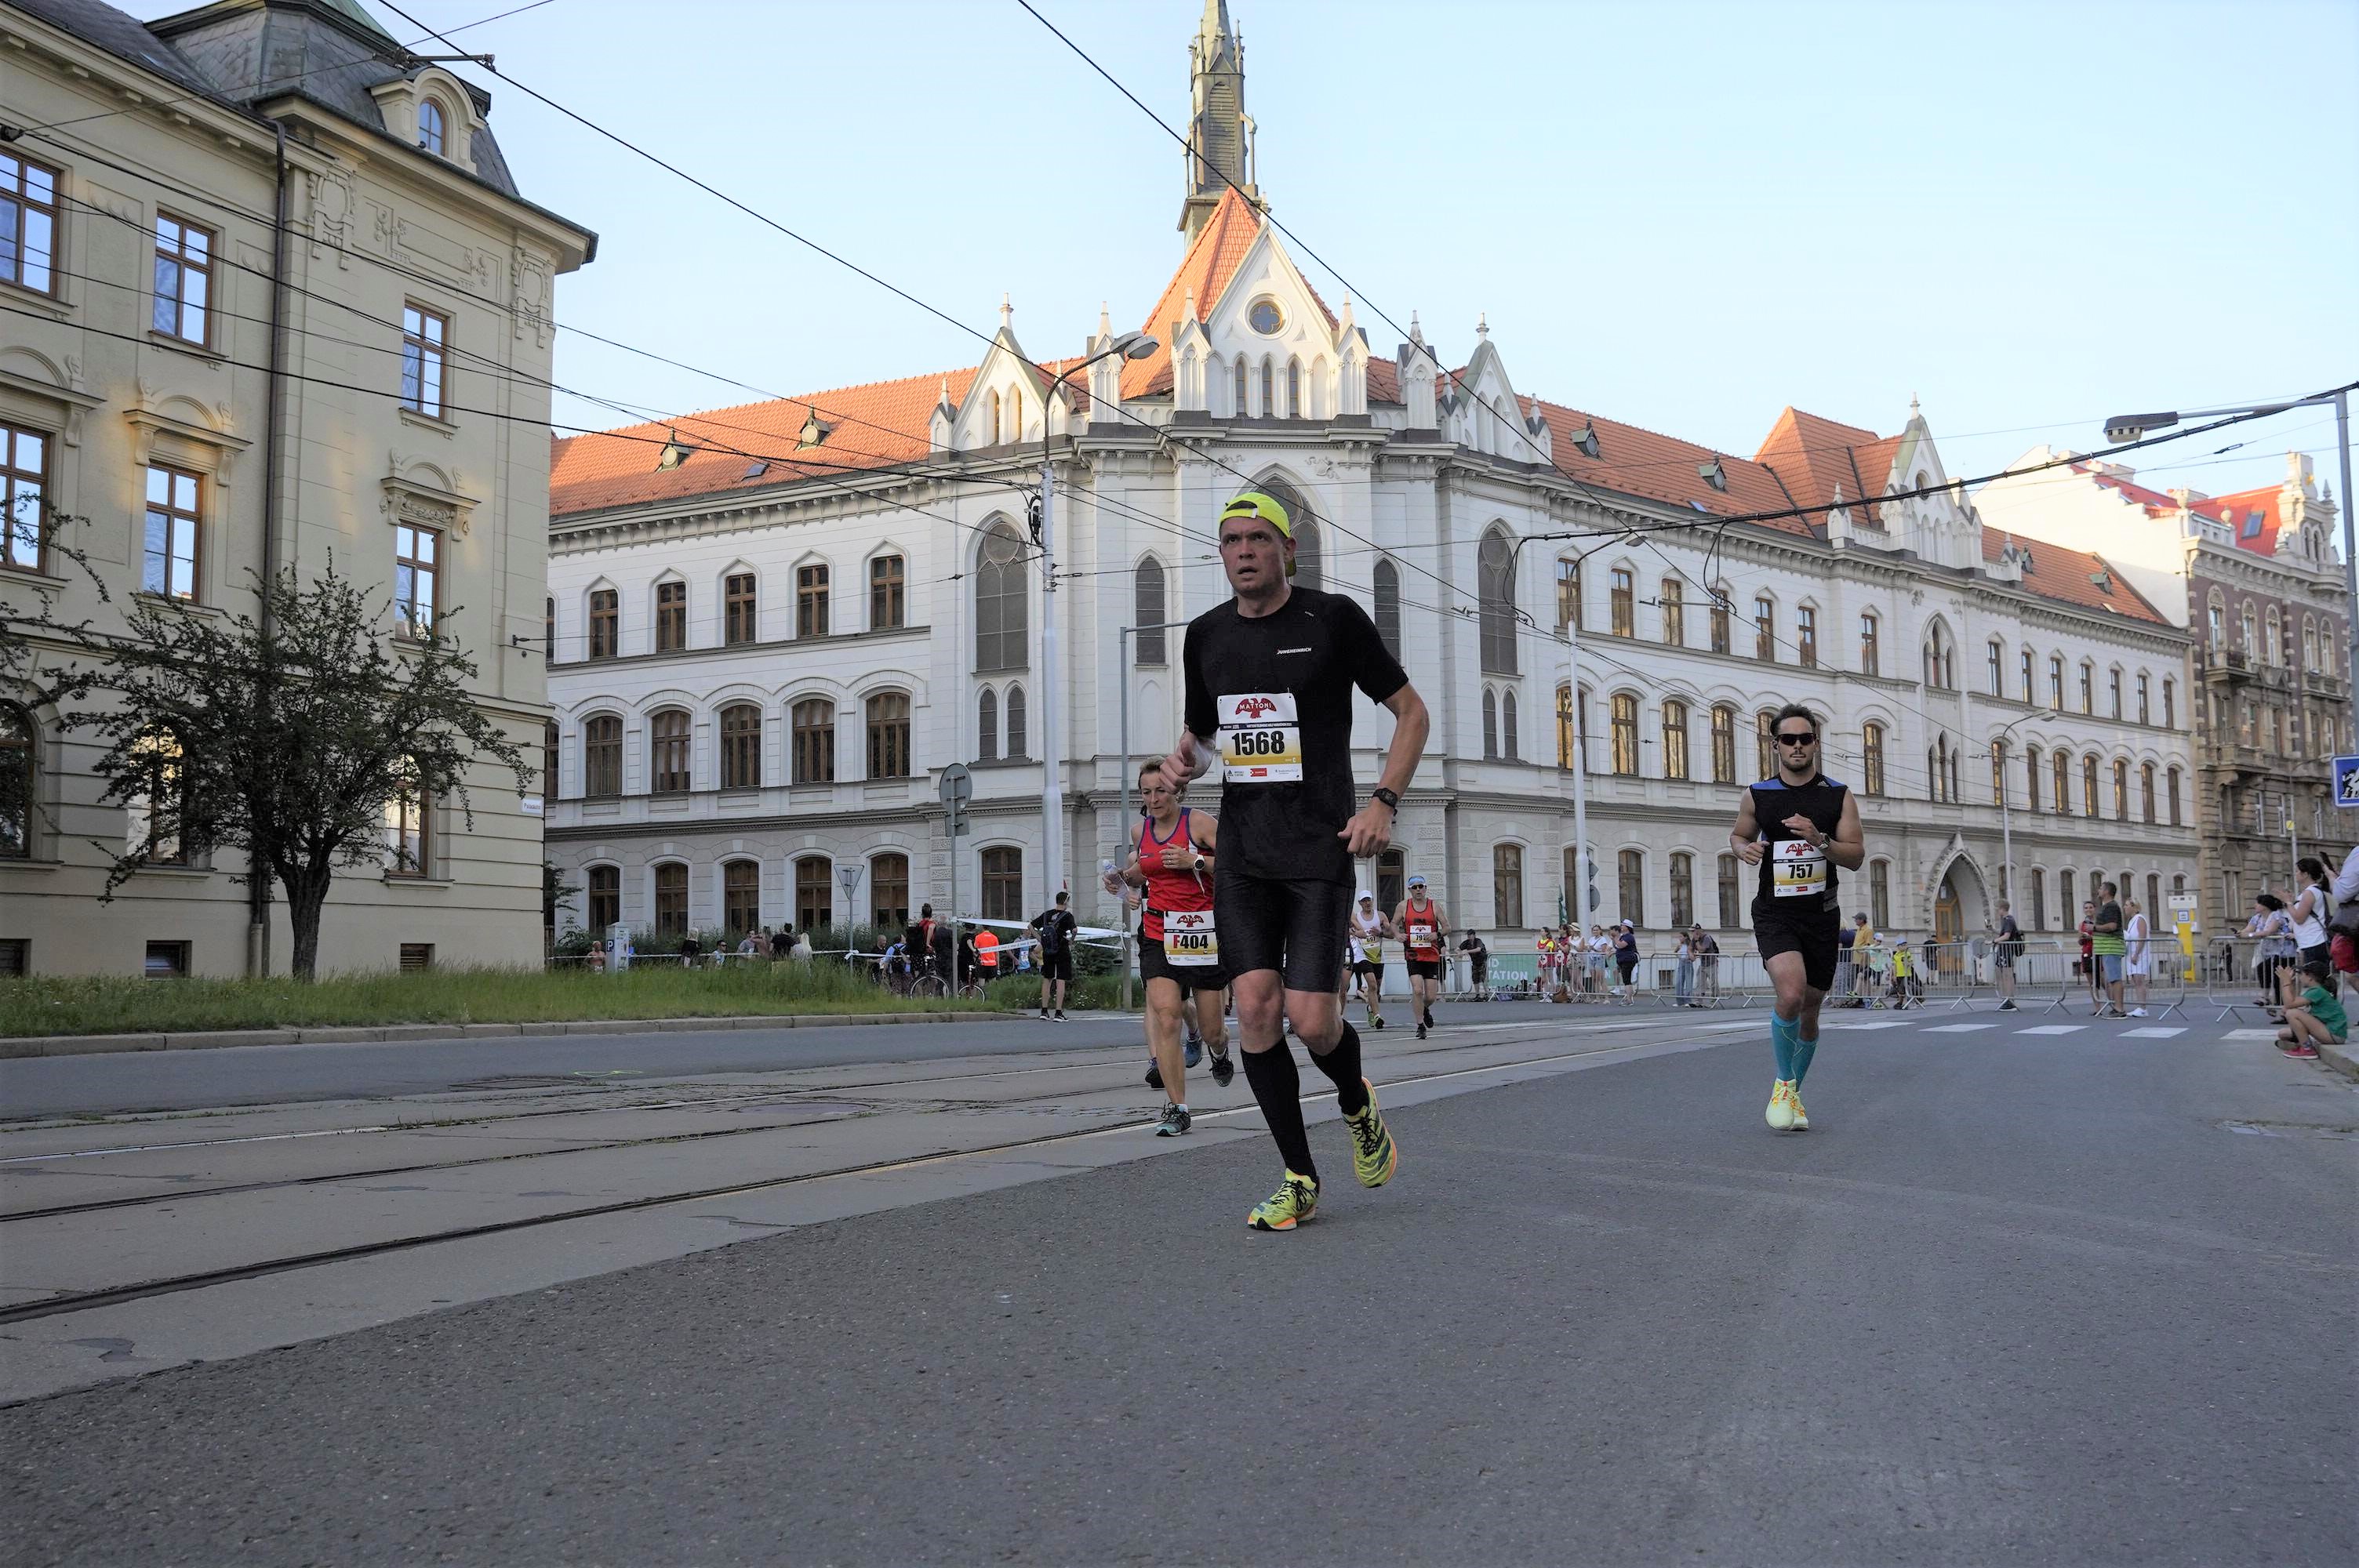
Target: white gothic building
[774, 625]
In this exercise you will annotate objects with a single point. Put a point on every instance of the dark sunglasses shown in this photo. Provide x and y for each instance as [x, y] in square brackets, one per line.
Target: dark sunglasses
[1788, 738]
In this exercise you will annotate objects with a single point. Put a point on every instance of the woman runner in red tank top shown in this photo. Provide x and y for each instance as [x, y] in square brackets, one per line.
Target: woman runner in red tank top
[1178, 948]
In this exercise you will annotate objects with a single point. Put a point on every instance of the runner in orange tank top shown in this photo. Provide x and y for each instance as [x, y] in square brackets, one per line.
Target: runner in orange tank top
[1178, 945]
[1423, 930]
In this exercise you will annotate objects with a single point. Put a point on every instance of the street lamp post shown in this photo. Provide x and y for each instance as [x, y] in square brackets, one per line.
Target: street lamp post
[2134, 426]
[2005, 811]
[1130, 345]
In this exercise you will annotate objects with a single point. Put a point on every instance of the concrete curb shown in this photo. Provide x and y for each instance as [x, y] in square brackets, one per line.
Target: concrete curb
[2339, 1058]
[25, 1045]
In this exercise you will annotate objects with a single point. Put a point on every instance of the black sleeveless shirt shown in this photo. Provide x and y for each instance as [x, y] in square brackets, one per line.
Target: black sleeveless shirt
[1795, 879]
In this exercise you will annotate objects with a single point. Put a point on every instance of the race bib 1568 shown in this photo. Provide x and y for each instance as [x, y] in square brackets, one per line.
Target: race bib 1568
[1261, 743]
[1800, 870]
[1190, 939]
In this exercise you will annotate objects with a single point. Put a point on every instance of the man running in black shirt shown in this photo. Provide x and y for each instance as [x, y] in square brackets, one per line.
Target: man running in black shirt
[1270, 679]
[1797, 826]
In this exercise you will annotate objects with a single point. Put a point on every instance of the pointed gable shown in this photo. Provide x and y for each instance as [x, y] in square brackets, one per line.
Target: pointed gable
[1205, 272]
[1814, 458]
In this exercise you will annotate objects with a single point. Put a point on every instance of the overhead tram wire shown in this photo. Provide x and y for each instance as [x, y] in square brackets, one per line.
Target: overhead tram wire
[277, 82]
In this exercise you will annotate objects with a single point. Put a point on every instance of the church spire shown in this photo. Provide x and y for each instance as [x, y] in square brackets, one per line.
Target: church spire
[1219, 134]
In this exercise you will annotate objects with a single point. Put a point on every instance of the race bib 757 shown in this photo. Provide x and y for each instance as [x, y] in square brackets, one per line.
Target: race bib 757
[1261, 742]
[1800, 870]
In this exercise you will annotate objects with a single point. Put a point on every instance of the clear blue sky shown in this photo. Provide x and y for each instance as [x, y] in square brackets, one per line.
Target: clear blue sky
[1681, 215]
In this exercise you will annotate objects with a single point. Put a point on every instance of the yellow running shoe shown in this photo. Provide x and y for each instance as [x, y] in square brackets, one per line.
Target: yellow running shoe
[1295, 1200]
[1374, 1156]
[1801, 1117]
[1781, 1114]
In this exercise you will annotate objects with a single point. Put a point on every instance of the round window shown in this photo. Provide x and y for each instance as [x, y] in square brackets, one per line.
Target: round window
[1265, 316]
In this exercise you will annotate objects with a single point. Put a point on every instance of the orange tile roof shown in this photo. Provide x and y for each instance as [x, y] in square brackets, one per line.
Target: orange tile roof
[1213, 259]
[1815, 457]
[881, 423]
[2062, 574]
[2240, 510]
[2158, 504]
[1641, 462]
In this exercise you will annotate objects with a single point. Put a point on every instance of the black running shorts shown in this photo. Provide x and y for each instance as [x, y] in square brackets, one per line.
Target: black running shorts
[1424, 969]
[1298, 927]
[1815, 935]
[1154, 965]
[1057, 965]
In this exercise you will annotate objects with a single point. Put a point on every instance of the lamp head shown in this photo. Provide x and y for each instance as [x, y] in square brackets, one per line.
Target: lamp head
[2123, 427]
[1135, 345]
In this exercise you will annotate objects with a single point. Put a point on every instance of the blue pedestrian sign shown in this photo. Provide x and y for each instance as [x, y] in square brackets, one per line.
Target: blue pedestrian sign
[2347, 781]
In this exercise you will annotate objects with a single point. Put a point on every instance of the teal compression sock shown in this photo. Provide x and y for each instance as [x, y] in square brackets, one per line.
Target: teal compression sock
[1799, 1054]
[1781, 1040]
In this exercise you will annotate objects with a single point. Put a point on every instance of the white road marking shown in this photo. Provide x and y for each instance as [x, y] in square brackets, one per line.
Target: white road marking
[1876, 1023]
[2053, 1029]
[2250, 1034]
[1958, 1028]
[2151, 1033]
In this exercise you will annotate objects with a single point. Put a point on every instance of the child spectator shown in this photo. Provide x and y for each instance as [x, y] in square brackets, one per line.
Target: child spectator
[2315, 1017]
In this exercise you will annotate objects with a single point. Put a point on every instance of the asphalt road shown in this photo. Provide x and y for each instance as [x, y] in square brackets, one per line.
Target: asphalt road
[2015, 1298]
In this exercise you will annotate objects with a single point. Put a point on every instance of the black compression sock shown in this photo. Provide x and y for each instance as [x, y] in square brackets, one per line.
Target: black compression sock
[1342, 1065]
[1278, 1089]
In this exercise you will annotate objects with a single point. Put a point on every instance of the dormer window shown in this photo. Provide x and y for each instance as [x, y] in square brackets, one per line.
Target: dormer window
[2251, 526]
[813, 433]
[432, 129]
[1713, 474]
[1585, 440]
[674, 453]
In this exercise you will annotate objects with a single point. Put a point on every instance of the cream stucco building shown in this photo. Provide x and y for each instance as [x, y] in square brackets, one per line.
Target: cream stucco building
[775, 624]
[405, 431]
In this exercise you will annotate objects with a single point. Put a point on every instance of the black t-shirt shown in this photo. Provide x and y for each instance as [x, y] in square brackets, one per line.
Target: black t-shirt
[2010, 936]
[1272, 696]
[1800, 881]
[1056, 927]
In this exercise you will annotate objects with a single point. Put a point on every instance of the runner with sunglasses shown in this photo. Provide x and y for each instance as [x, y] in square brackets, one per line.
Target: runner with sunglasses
[1797, 826]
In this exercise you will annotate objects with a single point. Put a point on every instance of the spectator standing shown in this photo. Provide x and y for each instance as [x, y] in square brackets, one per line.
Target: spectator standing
[2110, 949]
[1055, 928]
[801, 951]
[1478, 965]
[597, 957]
[2087, 967]
[1846, 965]
[2138, 962]
[1707, 948]
[782, 941]
[987, 954]
[2312, 906]
[1626, 959]
[690, 950]
[2008, 950]
[2271, 928]
[1683, 966]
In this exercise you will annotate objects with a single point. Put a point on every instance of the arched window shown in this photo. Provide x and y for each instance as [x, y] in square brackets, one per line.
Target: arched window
[1675, 738]
[2215, 624]
[1307, 570]
[2170, 797]
[1568, 595]
[2038, 898]
[1622, 602]
[2273, 641]
[1871, 643]
[741, 896]
[1940, 659]
[1508, 739]
[2063, 777]
[1765, 744]
[888, 735]
[2056, 682]
[1015, 413]
[1671, 599]
[2121, 791]
[1000, 607]
[1239, 411]
[1806, 636]
[1626, 733]
[1268, 390]
[156, 811]
[1508, 886]
[1723, 744]
[671, 899]
[20, 782]
[2089, 784]
[668, 752]
[991, 416]
[1879, 893]
[2144, 689]
[433, 128]
[1490, 725]
[986, 725]
[602, 757]
[549, 762]
[1720, 635]
[1996, 656]
[2251, 636]
[1016, 740]
[1998, 773]
[815, 740]
[1870, 751]
[2145, 791]
[604, 886]
[814, 893]
[741, 747]
[1564, 726]
[889, 891]
[1496, 599]
[2031, 778]
[1147, 613]
[1682, 890]
[1294, 389]
[1726, 885]
[1630, 884]
[1765, 629]
[2088, 688]
[1388, 606]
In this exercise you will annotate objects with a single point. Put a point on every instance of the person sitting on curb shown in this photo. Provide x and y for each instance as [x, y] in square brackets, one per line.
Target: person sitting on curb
[2315, 1017]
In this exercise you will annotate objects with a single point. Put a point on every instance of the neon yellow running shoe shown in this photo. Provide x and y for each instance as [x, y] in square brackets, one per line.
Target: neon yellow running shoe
[1374, 1156]
[1295, 1200]
[1794, 1098]
[1781, 1114]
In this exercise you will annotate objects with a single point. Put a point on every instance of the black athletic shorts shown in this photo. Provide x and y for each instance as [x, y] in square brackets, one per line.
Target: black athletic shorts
[1365, 967]
[1154, 965]
[1424, 969]
[1296, 927]
[1057, 965]
[1815, 935]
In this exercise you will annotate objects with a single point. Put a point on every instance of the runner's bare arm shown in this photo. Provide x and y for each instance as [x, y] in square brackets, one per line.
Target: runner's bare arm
[1371, 827]
[1745, 837]
[1848, 847]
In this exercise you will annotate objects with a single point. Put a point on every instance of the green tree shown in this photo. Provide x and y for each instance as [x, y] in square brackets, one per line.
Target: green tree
[286, 735]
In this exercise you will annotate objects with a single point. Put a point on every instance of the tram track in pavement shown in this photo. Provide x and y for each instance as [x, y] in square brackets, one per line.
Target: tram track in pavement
[54, 1307]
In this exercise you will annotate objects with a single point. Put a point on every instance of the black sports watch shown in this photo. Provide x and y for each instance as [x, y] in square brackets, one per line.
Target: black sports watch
[1392, 801]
